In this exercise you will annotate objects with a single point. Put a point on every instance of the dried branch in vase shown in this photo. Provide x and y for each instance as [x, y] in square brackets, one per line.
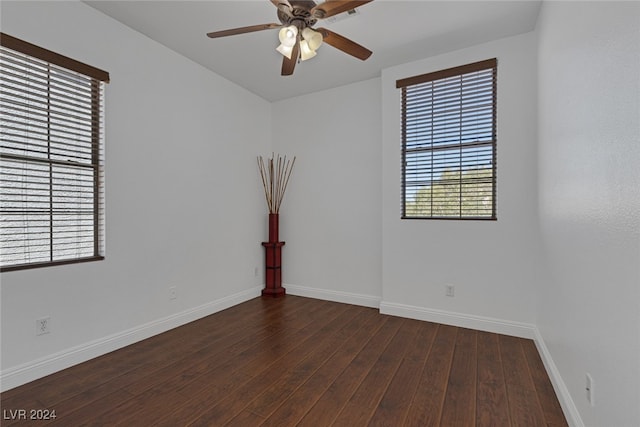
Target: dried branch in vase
[275, 173]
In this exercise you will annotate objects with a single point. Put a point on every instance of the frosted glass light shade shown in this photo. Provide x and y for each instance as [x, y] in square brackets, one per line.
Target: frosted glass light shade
[313, 38]
[288, 35]
[305, 51]
[285, 50]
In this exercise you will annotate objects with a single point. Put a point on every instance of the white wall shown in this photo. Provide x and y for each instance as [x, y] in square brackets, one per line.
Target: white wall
[330, 217]
[492, 264]
[184, 203]
[589, 157]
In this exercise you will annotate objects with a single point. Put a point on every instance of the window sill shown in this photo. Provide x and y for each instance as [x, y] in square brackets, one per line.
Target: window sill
[49, 264]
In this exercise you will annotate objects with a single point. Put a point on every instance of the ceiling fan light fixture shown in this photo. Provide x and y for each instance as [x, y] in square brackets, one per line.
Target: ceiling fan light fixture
[298, 39]
[285, 50]
[305, 51]
[313, 38]
[288, 35]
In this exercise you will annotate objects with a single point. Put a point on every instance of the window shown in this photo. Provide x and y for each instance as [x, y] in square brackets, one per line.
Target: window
[51, 158]
[449, 143]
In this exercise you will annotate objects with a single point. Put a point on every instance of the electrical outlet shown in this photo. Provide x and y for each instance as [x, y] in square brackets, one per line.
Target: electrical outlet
[43, 325]
[590, 389]
[173, 292]
[450, 290]
[256, 271]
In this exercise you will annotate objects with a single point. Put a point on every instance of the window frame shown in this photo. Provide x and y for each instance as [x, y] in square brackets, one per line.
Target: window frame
[95, 78]
[439, 77]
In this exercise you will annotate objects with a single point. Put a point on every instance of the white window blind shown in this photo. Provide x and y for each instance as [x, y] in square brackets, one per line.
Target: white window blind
[51, 158]
[449, 143]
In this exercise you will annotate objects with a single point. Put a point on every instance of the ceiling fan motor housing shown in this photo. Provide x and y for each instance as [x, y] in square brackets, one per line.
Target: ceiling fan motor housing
[299, 14]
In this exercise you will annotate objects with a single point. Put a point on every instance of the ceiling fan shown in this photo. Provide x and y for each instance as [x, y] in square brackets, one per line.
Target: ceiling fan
[298, 39]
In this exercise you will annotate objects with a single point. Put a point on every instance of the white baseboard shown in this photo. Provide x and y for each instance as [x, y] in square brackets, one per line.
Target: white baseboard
[22, 374]
[566, 402]
[336, 296]
[481, 323]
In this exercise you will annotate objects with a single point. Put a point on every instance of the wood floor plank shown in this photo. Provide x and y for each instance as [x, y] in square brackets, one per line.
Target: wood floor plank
[291, 411]
[544, 389]
[228, 377]
[492, 404]
[74, 408]
[489, 361]
[222, 411]
[426, 405]
[362, 405]
[524, 407]
[324, 412]
[44, 389]
[291, 378]
[394, 405]
[90, 414]
[298, 361]
[244, 419]
[460, 399]
[218, 350]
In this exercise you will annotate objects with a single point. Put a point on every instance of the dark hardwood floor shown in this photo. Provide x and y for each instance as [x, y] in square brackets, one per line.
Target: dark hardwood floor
[299, 361]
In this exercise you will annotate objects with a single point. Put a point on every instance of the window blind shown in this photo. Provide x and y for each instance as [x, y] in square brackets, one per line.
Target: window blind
[51, 158]
[449, 143]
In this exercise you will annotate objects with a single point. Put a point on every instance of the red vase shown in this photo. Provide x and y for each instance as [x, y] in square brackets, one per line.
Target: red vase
[273, 227]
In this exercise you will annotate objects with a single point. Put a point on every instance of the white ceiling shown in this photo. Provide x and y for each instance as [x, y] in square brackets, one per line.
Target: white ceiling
[396, 31]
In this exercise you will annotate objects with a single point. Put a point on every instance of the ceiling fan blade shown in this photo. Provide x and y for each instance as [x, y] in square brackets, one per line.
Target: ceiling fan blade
[334, 7]
[288, 65]
[344, 44]
[243, 30]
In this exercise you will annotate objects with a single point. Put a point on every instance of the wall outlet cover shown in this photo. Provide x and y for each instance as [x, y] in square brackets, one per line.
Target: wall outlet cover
[43, 325]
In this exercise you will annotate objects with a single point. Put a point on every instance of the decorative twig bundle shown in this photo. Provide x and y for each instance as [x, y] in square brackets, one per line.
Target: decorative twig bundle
[275, 175]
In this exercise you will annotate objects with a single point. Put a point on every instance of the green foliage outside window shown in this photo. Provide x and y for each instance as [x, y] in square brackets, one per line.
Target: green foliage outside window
[454, 195]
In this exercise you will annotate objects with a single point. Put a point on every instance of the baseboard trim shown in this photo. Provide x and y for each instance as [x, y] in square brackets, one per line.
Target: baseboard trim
[22, 374]
[566, 402]
[335, 296]
[481, 323]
